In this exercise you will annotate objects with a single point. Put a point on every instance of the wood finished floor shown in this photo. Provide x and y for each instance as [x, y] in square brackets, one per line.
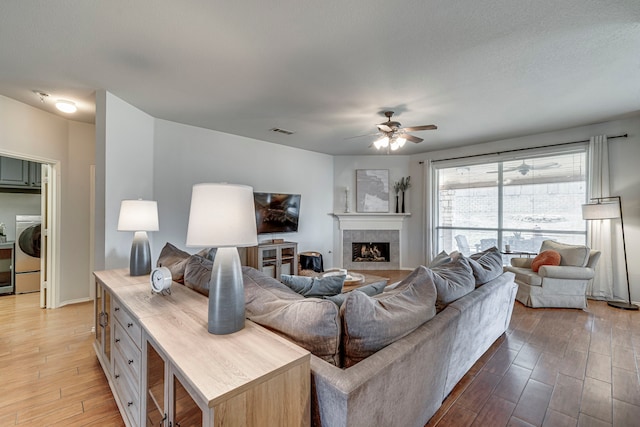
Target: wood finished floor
[553, 367]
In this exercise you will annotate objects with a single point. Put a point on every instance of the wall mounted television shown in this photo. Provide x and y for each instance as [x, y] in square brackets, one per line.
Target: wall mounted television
[276, 213]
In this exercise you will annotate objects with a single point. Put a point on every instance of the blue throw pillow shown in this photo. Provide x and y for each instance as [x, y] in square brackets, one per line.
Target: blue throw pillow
[314, 286]
[371, 290]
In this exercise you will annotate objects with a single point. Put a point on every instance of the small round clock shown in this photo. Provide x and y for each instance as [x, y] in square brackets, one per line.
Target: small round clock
[160, 279]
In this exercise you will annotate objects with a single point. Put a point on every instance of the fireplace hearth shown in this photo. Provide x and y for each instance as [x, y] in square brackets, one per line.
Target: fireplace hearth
[370, 252]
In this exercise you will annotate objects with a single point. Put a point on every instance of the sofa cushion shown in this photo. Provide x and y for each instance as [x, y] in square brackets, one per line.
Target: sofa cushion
[372, 323]
[453, 280]
[371, 290]
[175, 260]
[545, 258]
[486, 265]
[314, 286]
[574, 255]
[312, 323]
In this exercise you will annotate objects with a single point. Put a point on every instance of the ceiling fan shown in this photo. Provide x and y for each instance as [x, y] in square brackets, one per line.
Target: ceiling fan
[524, 168]
[394, 136]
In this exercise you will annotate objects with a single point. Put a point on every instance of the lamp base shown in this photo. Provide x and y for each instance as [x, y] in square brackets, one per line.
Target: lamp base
[226, 293]
[140, 258]
[622, 305]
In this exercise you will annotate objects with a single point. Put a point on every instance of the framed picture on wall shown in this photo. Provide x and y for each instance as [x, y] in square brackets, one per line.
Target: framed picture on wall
[372, 190]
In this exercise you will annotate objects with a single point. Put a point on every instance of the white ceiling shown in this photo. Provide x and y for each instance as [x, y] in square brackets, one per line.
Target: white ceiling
[480, 70]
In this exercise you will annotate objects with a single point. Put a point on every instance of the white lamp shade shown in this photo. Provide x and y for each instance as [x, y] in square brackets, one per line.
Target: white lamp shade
[222, 215]
[138, 215]
[608, 210]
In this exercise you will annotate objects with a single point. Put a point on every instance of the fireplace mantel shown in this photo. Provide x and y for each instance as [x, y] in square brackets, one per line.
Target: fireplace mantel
[370, 221]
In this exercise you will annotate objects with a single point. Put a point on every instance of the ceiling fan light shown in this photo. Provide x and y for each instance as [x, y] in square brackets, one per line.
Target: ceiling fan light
[66, 106]
[382, 142]
[401, 141]
[394, 145]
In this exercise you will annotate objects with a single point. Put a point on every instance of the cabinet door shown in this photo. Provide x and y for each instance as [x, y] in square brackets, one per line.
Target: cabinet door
[156, 387]
[288, 260]
[35, 175]
[14, 172]
[185, 410]
[102, 325]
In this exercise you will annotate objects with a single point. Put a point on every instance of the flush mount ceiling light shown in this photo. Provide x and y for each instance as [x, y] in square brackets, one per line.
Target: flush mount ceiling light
[66, 106]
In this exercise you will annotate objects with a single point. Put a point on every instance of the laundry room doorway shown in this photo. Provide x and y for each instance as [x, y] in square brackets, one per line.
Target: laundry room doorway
[29, 224]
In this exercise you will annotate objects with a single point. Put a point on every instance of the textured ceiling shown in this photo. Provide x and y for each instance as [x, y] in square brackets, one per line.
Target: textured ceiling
[480, 71]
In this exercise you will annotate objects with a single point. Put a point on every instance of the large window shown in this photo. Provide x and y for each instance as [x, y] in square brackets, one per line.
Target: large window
[516, 202]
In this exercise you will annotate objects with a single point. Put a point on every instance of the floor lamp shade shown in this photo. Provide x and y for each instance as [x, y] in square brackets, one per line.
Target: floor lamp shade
[610, 208]
[139, 216]
[223, 216]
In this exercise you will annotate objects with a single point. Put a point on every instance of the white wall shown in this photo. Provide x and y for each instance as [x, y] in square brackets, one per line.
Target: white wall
[74, 214]
[12, 204]
[186, 155]
[124, 170]
[624, 157]
[27, 132]
[345, 176]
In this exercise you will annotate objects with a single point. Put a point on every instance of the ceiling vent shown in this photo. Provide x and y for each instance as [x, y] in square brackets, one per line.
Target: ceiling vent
[284, 131]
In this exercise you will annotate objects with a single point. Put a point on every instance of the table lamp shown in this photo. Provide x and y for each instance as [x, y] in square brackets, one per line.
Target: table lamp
[139, 216]
[607, 208]
[222, 216]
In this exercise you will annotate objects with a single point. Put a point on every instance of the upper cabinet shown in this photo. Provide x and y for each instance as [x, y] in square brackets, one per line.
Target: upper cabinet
[17, 174]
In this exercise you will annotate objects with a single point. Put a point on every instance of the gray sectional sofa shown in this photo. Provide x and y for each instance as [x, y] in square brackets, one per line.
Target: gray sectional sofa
[403, 383]
[379, 359]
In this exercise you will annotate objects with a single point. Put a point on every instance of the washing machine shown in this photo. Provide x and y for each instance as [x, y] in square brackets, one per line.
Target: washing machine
[27, 253]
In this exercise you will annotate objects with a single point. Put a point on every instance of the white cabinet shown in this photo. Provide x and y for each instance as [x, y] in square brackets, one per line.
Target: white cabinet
[274, 259]
[166, 370]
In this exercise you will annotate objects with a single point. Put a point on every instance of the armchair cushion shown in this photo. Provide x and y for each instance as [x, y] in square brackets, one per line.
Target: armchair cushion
[545, 258]
[566, 272]
[574, 255]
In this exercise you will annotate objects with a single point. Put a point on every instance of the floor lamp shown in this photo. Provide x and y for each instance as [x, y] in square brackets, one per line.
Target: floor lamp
[610, 208]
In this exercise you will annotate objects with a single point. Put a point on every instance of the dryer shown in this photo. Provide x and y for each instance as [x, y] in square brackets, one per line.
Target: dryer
[27, 253]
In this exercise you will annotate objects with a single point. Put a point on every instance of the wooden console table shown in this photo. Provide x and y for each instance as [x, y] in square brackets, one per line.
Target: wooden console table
[165, 369]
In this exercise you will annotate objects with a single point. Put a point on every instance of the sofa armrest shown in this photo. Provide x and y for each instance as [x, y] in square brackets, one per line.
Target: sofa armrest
[566, 272]
[521, 262]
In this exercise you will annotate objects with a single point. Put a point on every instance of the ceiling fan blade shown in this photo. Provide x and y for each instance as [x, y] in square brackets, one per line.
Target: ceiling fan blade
[424, 127]
[360, 136]
[384, 128]
[412, 138]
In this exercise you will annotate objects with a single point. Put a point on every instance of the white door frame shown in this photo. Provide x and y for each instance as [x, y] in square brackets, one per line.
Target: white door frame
[50, 203]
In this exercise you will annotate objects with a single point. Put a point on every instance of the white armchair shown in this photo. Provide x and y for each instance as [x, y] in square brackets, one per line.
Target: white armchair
[564, 285]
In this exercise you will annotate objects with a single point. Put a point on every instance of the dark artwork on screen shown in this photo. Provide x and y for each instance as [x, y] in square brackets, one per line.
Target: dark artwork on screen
[277, 213]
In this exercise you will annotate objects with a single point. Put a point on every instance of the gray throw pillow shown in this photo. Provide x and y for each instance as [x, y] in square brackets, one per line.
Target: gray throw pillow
[371, 290]
[312, 323]
[197, 274]
[372, 323]
[486, 265]
[314, 286]
[175, 260]
[453, 280]
[441, 258]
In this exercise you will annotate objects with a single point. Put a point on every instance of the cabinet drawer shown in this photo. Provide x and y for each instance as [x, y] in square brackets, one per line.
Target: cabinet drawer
[130, 325]
[129, 398]
[131, 355]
